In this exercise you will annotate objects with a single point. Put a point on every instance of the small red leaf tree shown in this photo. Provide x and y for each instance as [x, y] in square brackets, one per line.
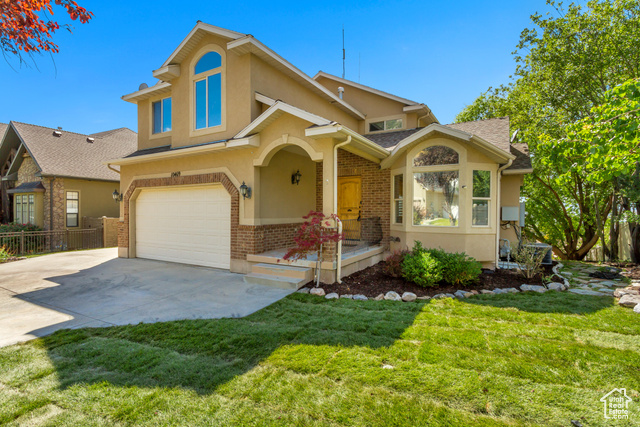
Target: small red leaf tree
[26, 27]
[316, 231]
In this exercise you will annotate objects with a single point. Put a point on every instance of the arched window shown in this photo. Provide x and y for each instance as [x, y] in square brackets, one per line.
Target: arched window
[436, 190]
[208, 90]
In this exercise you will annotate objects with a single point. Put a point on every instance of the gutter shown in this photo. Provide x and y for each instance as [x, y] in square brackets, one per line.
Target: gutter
[113, 169]
[499, 178]
[335, 204]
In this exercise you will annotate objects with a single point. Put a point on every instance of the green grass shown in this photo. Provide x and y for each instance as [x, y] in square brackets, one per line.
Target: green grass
[487, 361]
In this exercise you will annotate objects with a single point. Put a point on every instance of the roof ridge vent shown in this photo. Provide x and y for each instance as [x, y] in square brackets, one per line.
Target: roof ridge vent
[90, 139]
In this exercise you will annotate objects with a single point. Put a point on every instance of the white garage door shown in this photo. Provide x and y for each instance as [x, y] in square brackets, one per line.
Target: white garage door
[189, 225]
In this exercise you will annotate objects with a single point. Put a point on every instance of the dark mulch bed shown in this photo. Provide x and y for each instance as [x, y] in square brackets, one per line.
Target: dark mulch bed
[372, 282]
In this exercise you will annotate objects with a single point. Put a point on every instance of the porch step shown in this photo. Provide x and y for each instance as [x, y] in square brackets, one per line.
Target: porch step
[281, 270]
[275, 281]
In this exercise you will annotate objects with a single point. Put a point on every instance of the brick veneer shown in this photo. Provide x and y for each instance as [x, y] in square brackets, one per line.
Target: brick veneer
[376, 190]
[245, 239]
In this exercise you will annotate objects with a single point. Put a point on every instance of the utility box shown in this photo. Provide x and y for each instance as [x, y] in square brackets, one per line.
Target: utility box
[511, 213]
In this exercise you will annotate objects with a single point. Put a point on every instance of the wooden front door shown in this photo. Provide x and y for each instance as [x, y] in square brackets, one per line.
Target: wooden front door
[350, 205]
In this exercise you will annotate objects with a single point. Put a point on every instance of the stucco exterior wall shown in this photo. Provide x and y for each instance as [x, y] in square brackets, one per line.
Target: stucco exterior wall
[510, 196]
[96, 198]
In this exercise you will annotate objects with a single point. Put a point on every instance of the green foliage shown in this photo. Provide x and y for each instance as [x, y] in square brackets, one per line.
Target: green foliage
[4, 254]
[565, 65]
[529, 259]
[457, 268]
[14, 227]
[421, 268]
[393, 263]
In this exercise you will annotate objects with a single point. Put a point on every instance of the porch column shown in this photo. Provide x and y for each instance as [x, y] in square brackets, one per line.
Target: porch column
[327, 183]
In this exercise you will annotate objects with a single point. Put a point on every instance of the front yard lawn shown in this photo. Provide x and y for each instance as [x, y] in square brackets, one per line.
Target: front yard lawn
[514, 359]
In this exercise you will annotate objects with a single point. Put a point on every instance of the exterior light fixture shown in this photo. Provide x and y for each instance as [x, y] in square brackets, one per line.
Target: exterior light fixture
[295, 178]
[245, 191]
[117, 197]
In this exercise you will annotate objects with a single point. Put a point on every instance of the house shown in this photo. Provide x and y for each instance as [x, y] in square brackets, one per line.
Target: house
[53, 178]
[236, 144]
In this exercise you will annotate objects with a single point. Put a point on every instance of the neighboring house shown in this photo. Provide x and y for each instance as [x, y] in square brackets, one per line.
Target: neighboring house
[229, 111]
[53, 178]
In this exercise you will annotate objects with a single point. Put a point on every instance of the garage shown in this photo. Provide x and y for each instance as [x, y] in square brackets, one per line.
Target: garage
[189, 225]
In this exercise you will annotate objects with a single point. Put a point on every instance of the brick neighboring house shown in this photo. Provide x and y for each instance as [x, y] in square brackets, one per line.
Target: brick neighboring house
[53, 178]
[236, 144]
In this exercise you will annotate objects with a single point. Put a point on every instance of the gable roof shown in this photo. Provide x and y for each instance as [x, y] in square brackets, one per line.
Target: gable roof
[3, 129]
[494, 131]
[241, 44]
[71, 155]
[274, 112]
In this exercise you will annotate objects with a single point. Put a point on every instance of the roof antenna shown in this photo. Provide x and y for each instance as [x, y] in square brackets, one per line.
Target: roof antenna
[359, 60]
[343, 52]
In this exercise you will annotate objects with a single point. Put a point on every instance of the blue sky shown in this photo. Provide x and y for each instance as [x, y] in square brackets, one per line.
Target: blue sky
[441, 53]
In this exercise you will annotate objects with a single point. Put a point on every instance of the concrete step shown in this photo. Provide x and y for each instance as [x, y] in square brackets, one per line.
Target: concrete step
[283, 271]
[275, 281]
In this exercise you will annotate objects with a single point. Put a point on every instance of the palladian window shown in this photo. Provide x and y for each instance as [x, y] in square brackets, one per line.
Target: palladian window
[436, 187]
[208, 91]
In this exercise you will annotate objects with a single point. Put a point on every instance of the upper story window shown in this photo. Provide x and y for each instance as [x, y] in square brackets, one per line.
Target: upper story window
[436, 187]
[208, 91]
[385, 125]
[161, 115]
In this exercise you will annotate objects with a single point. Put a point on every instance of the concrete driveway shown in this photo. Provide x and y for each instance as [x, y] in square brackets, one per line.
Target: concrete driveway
[95, 289]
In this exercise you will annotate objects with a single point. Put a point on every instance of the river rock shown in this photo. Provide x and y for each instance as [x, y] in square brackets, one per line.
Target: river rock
[486, 291]
[409, 297]
[392, 296]
[360, 297]
[533, 288]
[629, 300]
[379, 297]
[555, 286]
[317, 291]
[332, 295]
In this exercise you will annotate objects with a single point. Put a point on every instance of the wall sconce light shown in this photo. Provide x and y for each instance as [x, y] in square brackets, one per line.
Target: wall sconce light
[245, 191]
[464, 187]
[295, 178]
[117, 197]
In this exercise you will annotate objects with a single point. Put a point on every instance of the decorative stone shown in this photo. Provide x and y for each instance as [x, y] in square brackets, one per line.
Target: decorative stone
[303, 290]
[567, 273]
[459, 294]
[629, 300]
[511, 290]
[317, 291]
[440, 296]
[392, 296]
[387, 367]
[425, 298]
[636, 309]
[409, 297]
[606, 291]
[499, 291]
[533, 288]
[346, 296]
[555, 286]
[332, 295]
[360, 297]
[619, 293]
[379, 297]
[486, 291]
[587, 292]
[608, 283]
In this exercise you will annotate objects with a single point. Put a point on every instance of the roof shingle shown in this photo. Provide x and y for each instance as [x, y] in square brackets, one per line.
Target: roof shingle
[70, 154]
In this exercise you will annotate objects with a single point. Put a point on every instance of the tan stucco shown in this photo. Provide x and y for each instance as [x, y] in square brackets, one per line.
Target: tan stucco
[96, 198]
[510, 196]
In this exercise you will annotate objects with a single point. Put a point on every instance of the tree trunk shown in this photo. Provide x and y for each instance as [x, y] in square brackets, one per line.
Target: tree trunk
[634, 230]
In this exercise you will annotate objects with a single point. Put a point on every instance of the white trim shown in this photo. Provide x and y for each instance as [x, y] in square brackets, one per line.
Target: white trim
[258, 48]
[517, 171]
[147, 93]
[336, 130]
[435, 127]
[167, 72]
[279, 106]
[367, 89]
[264, 99]
[222, 32]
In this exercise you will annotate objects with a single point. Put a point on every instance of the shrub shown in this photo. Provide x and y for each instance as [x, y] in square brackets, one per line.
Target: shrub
[4, 254]
[529, 259]
[458, 268]
[14, 227]
[421, 268]
[393, 264]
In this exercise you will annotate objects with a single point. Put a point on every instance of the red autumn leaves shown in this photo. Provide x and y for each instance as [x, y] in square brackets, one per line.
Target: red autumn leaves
[25, 25]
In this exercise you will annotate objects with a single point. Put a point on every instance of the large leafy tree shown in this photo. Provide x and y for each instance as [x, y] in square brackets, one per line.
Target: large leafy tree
[564, 67]
[26, 26]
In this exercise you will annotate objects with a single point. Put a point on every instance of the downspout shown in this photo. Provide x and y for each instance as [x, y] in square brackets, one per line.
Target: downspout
[500, 169]
[113, 169]
[335, 203]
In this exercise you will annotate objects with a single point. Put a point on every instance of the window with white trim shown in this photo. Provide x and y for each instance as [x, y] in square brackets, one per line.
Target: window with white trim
[25, 209]
[481, 201]
[161, 112]
[385, 125]
[436, 187]
[398, 202]
[208, 91]
[73, 208]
